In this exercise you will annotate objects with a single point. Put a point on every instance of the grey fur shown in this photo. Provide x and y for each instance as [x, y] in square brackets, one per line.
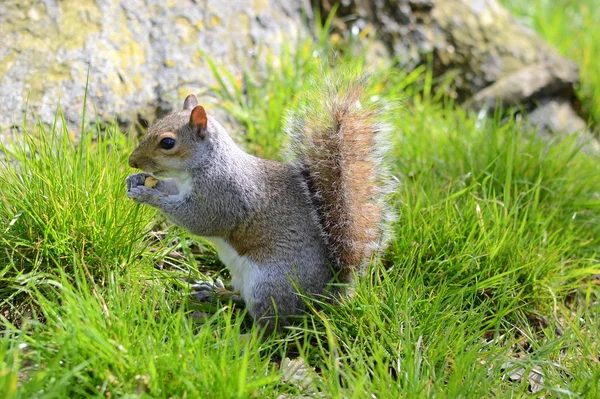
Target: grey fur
[263, 209]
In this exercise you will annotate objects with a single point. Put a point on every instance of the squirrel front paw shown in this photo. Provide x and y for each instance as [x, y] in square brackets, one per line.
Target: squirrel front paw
[139, 192]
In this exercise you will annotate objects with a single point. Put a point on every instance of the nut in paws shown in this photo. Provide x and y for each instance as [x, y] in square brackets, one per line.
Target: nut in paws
[136, 180]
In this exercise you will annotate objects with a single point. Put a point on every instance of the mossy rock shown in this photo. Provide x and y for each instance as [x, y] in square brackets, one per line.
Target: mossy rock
[141, 61]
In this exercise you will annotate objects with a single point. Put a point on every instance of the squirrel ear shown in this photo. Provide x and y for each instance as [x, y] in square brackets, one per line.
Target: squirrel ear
[190, 102]
[199, 120]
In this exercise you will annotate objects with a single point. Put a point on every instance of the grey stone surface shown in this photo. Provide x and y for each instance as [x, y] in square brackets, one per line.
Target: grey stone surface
[490, 56]
[143, 56]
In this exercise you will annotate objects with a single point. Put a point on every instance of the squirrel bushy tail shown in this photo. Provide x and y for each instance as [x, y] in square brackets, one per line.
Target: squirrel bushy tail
[338, 140]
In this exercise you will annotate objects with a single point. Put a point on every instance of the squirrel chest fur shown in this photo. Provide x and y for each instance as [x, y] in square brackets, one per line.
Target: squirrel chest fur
[280, 228]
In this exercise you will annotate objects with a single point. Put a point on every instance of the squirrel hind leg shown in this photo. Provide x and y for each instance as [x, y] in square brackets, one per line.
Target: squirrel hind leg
[213, 292]
[276, 310]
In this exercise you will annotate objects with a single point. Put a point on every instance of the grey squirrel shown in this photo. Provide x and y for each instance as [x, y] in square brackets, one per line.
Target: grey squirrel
[280, 228]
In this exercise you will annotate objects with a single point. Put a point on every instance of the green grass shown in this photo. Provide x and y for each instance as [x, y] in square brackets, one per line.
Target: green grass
[493, 268]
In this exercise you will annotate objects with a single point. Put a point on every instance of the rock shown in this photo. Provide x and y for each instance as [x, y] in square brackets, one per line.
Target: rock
[298, 373]
[527, 85]
[143, 57]
[490, 56]
[556, 115]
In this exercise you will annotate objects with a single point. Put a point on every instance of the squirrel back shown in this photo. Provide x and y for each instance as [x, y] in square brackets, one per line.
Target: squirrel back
[338, 141]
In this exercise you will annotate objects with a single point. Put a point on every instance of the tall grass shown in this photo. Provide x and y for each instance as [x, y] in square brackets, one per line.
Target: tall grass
[62, 203]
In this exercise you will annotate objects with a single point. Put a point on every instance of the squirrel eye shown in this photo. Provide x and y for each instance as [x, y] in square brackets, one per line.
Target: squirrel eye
[167, 143]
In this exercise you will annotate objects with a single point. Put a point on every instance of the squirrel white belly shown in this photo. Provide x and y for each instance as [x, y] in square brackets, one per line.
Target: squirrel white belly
[244, 272]
[280, 228]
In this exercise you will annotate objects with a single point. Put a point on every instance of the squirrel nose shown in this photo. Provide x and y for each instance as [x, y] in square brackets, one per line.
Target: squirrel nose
[132, 163]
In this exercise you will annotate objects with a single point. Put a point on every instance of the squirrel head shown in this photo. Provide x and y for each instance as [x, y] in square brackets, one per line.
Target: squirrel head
[178, 142]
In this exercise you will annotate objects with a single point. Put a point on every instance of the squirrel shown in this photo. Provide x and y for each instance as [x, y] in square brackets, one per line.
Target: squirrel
[284, 230]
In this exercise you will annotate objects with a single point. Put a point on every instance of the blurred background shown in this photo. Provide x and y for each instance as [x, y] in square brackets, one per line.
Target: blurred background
[142, 57]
